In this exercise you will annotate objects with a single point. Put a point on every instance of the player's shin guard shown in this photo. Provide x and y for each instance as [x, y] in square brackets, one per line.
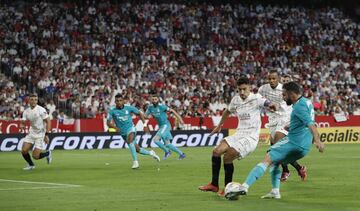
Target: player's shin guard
[28, 159]
[133, 151]
[161, 146]
[275, 174]
[216, 164]
[256, 173]
[174, 149]
[44, 154]
[229, 171]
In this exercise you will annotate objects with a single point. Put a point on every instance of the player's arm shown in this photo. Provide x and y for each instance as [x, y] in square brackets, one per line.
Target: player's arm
[316, 138]
[306, 118]
[177, 115]
[142, 117]
[110, 123]
[47, 122]
[217, 129]
[272, 107]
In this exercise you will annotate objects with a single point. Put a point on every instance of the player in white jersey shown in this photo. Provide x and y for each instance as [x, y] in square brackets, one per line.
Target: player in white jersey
[279, 120]
[247, 107]
[38, 132]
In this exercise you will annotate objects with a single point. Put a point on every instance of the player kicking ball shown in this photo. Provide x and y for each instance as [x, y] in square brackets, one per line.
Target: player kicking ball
[40, 126]
[302, 133]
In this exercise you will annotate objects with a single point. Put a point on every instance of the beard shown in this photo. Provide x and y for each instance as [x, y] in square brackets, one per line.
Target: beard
[156, 104]
[288, 102]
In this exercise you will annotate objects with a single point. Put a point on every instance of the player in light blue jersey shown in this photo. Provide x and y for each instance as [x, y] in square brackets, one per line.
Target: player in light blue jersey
[302, 133]
[163, 136]
[121, 115]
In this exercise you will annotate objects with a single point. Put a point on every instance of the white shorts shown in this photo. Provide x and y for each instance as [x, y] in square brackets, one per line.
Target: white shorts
[37, 141]
[243, 144]
[279, 126]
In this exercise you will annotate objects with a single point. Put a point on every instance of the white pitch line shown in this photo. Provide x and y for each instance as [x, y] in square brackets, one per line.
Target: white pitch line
[35, 188]
[42, 183]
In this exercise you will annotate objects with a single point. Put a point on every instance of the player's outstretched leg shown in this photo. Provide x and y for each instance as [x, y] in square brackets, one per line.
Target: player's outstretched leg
[302, 171]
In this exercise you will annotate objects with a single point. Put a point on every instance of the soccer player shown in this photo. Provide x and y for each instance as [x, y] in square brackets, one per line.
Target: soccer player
[279, 120]
[247, 106]
[121, 115]
[163, 136]
[40, 126]
[302, 133]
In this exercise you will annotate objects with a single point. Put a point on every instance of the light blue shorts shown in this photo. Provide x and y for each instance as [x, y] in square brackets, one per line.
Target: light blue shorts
[284, 152]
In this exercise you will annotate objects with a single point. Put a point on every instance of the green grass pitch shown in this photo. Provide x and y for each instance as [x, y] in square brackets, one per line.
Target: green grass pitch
[107, 182]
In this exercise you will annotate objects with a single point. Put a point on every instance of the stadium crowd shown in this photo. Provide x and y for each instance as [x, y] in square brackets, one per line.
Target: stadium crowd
[77, 57]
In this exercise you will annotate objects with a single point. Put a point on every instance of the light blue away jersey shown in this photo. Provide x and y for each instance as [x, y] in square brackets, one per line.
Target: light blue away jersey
[159, 113]
[122, 117]
[302, 116]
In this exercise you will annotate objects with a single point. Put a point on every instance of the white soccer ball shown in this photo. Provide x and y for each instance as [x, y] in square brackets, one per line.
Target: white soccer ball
[232, 191]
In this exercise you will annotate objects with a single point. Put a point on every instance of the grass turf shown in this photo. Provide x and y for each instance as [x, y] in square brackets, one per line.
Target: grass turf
[108, 182]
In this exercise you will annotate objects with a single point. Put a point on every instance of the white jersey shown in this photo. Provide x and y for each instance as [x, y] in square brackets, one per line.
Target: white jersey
[276, 97]
[248, 112]
[36, 116]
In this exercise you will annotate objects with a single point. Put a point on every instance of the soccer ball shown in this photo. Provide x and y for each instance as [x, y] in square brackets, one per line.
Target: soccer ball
[232, 191]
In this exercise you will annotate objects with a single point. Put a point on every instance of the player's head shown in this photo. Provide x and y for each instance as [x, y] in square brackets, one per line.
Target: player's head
[155, 100]
[243, 85]
[291, 92]
[286, 79]
[273, 78]
[119, 101]
[33, 100]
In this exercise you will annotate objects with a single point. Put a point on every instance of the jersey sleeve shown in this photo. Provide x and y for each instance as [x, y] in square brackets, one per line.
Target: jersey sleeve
[261, 90]
[23, 118]
[110, 115]
[305, 113]
[147, 112]
[261, 101]
[232, 107]
[43, 113]
[134, 110]
[165, 108]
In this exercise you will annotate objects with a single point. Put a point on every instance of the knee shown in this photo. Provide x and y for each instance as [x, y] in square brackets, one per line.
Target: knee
[24, 152]
[216, 152]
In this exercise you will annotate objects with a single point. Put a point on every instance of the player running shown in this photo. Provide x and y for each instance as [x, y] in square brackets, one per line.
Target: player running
[163, 137]
[40, 126]
[121, 115]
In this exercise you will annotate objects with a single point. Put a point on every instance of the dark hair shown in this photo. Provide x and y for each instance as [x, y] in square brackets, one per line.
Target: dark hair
[33, 95]
[118, 96]
[273, 71]
[292, 87]
[243, 80]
